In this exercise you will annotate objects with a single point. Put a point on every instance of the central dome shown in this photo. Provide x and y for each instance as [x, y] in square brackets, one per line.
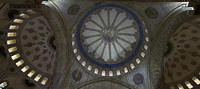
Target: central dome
[109, 33]
[109, 36]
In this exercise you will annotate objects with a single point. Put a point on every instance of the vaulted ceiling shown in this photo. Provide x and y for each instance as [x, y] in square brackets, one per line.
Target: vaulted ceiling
[110, 44]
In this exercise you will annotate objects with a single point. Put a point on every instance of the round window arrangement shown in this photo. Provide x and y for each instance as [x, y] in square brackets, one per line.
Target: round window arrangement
[110, 40]
[31, 46]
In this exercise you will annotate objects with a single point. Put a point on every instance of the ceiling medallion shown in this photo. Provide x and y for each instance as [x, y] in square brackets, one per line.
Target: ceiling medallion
[73, 9]
[138, 78]
[151, 13]
[110, 40]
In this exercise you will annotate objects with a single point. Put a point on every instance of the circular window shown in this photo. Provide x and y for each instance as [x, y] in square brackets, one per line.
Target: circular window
[110, 40]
